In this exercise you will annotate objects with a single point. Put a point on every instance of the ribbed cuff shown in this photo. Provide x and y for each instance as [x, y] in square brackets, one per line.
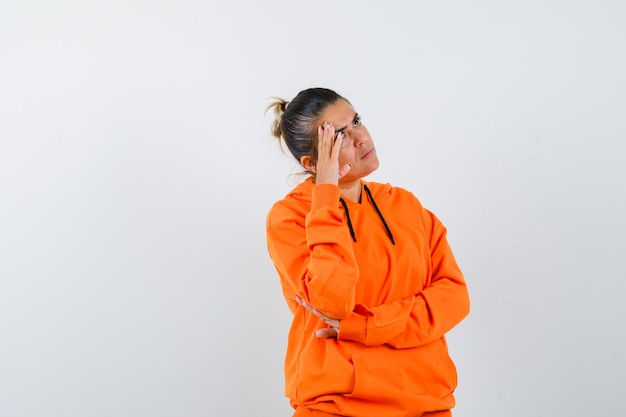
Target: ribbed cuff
[353, 327]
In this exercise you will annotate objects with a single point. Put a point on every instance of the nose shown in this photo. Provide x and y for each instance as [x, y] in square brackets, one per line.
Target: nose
[357, 138]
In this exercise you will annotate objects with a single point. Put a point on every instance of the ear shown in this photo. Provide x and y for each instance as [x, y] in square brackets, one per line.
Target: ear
[307, 162]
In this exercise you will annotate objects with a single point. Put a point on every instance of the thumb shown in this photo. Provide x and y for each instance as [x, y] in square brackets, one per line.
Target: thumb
[325, 332]
[344, 170]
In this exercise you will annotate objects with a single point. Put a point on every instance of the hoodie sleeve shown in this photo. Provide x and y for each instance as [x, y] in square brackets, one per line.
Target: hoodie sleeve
[313, 253]
[422, 318]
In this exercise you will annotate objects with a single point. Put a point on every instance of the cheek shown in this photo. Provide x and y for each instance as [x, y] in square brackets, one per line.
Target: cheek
[345, 155]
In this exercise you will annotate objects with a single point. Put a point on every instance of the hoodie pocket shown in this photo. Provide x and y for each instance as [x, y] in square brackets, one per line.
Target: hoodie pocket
[387, 374]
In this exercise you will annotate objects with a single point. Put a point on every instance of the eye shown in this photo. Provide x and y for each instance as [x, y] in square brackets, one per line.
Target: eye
[357, 121]
[344, 143]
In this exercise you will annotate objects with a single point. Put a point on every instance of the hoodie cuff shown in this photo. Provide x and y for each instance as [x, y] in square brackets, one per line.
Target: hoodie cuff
[354, 328]
[325, 195]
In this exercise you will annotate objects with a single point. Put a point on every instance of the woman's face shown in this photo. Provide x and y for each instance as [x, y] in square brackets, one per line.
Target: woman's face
[357, 147]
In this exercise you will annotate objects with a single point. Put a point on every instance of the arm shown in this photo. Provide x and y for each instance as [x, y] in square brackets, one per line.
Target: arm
[421, 318]
[315, 258]
[313, 253]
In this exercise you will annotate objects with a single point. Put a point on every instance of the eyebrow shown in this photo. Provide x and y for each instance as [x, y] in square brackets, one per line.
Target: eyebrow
[354, 119]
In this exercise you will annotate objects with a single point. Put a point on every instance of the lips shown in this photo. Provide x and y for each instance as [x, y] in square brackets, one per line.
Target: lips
[368, 154]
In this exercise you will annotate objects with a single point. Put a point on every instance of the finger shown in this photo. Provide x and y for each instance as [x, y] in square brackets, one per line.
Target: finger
[344, 170]
[321, 143]
[303, 303]
[336, 150]
[325, 146]
[337, 140]
[311, 309]
[329, 129]
[325, 333]
[333, 322]
[330, 321]
[315, 312]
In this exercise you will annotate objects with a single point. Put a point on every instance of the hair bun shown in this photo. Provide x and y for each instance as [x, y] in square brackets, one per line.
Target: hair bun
[279, 106]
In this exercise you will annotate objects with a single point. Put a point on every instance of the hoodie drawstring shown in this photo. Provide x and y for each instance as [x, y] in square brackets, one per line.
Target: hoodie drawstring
[371, 199]
[345, 208]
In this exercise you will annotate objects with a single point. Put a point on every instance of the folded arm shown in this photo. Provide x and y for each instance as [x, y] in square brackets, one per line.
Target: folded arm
[313, 253]
[421, 318]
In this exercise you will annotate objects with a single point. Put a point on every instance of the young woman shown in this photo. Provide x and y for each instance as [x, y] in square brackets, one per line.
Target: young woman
[366, 271]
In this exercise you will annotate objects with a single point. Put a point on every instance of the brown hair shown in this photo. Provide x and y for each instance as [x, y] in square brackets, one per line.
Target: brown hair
[296, 121]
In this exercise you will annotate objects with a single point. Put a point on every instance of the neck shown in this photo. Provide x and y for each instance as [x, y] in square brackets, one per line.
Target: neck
[351, 190]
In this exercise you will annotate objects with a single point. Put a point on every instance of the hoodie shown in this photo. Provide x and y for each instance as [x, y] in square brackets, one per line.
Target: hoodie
[384, 268]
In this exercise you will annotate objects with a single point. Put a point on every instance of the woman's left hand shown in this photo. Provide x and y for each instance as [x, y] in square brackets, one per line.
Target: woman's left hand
[326, 332]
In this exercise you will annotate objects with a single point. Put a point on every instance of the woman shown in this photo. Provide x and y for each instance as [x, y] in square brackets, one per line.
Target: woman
[366, 271]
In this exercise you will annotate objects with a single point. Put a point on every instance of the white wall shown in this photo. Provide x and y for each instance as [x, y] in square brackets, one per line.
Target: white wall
[136, 169]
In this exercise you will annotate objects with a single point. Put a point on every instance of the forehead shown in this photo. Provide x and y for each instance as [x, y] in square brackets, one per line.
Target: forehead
[338, 114]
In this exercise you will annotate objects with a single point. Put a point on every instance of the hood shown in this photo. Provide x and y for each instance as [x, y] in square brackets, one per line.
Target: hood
[370, 192]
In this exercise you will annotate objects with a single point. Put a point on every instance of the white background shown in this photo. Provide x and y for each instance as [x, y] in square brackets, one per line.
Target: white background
[136, 170]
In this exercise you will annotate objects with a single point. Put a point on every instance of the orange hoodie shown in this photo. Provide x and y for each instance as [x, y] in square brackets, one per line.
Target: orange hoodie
[385, 269]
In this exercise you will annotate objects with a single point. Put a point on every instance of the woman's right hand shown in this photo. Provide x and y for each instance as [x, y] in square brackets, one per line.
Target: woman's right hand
[328, 147]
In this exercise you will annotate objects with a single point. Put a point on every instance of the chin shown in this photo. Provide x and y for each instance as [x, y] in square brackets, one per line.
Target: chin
[367, 172]
[362, 172]
[373, 168]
